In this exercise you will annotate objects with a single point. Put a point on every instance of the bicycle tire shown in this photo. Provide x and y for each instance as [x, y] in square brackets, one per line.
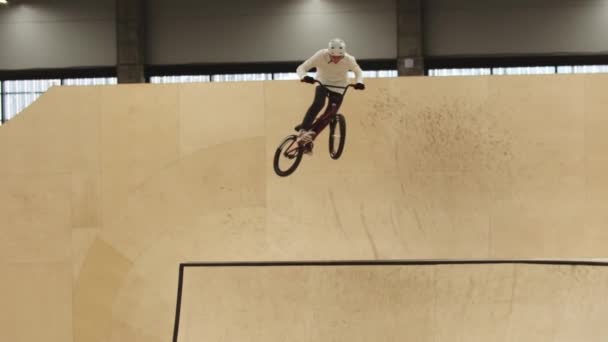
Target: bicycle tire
[297, 158]
[339, 122]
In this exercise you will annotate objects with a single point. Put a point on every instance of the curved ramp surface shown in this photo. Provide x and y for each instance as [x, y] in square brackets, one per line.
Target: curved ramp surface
[506, 302]
[104, 190]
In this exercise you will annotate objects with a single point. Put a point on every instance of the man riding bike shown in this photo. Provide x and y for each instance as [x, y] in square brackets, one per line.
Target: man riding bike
[333, 65]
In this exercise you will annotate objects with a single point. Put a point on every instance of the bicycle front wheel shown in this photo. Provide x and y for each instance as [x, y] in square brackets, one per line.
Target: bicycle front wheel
[287, 157]
[337, 136]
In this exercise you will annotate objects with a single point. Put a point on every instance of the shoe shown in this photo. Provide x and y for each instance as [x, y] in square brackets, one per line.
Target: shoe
[306, 137]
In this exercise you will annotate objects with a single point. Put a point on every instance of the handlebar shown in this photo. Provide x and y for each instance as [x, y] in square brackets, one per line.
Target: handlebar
[338, 87]
[331, 86]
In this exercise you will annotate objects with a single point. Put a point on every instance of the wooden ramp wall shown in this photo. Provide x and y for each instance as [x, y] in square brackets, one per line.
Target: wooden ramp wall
[105, 190]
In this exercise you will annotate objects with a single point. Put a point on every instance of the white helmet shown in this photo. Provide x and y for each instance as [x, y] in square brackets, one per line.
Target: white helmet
[337, 47]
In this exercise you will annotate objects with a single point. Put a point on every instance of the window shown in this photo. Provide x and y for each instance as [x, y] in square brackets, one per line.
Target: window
[180, 79]
[460, 72]
[17, 95]
[241, 77]
[542, 70]
[286, 76]
[388, 73]
[535, 70]
[375, 73]
[89, 81]
[582, 69]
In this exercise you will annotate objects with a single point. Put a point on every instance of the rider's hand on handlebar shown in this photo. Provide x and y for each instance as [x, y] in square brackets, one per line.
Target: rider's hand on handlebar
[308, 79]
[360, 86]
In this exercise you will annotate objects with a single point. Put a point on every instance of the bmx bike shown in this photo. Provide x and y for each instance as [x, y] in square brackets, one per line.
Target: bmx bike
[289, 153]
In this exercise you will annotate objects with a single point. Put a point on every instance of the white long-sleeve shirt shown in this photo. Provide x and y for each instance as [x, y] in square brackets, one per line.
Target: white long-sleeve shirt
[331, 73]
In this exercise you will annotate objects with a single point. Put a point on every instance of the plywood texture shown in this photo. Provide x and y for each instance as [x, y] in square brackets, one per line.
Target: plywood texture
[122, 183]
[395, 303]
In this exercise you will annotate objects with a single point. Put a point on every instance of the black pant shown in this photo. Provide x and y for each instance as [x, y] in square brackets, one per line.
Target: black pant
[320, 94]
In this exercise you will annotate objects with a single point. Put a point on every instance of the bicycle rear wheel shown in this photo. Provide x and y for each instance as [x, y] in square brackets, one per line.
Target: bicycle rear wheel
[287, 157]
[337, 136]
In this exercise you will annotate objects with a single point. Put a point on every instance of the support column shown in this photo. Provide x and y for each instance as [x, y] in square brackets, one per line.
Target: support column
[130, 41]
[410, 57]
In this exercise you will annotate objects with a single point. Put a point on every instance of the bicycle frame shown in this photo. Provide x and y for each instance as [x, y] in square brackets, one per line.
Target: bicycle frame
[332, 109]
[322, 121]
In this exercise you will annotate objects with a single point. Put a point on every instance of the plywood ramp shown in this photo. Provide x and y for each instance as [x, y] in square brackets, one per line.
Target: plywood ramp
[105, 190]
[500, 303]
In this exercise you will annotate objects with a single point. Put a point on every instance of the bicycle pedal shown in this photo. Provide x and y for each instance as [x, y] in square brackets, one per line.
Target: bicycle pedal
[308, 149]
